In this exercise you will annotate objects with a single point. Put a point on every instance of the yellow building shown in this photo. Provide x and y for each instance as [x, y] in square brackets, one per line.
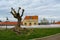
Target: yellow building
[30, 20]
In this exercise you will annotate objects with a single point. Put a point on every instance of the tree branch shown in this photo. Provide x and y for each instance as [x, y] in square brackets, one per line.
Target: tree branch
[19, 9]
[13, 10]
[13, 14]
[22, 12]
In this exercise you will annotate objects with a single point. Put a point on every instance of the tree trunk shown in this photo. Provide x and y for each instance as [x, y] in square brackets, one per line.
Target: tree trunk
[19, 23]
[18, 27]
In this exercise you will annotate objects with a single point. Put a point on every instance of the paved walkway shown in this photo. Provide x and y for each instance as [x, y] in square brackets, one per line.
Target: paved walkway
[43, 26]
[52, 37]
[36, 26]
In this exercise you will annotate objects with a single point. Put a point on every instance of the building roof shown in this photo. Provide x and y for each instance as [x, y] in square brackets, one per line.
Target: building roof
[30, 17]
[8, 23]
[57, 22]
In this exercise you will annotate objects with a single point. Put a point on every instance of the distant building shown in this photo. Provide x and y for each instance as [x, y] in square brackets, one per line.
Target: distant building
[57, 22]
[30, 20]
[44, 21]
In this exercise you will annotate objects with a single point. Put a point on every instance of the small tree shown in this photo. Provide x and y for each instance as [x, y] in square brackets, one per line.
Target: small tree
[18, 16]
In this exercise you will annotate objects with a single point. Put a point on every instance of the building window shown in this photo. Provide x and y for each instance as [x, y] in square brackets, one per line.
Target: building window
[34, 23]
[30, 24]
[25, 23]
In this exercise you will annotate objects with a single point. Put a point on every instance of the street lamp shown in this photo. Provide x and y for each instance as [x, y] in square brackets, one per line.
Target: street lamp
[6, 21]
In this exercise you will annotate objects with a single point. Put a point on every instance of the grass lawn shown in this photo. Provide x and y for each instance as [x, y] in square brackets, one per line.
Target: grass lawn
[37, 33]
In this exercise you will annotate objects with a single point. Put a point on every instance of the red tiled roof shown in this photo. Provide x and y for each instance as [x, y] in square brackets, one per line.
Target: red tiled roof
[31, 17]
[8, 23]
[57, 23]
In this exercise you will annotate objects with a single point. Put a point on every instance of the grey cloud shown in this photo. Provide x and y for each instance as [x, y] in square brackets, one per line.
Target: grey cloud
[32, 7]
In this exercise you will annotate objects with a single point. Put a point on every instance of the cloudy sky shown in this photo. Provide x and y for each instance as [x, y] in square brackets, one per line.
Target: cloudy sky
[49, 9]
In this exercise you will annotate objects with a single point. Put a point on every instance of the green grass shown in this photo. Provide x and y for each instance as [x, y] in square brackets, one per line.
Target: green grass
[37, 33]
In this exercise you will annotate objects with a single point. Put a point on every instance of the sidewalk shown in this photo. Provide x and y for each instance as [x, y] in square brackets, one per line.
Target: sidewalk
[52, 37]
[43, 26]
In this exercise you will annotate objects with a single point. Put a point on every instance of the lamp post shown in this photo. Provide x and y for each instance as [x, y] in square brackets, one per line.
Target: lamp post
[6, 21]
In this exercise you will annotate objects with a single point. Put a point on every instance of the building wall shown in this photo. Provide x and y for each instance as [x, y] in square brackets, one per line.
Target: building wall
[30, 22]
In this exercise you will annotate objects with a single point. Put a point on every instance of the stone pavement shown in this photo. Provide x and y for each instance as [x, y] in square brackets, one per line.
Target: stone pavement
[52, 37]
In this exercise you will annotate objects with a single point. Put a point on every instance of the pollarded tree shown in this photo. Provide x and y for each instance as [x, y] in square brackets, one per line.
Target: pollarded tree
[18, 16]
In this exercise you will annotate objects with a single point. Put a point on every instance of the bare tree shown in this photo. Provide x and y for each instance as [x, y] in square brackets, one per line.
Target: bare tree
[18, 16]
